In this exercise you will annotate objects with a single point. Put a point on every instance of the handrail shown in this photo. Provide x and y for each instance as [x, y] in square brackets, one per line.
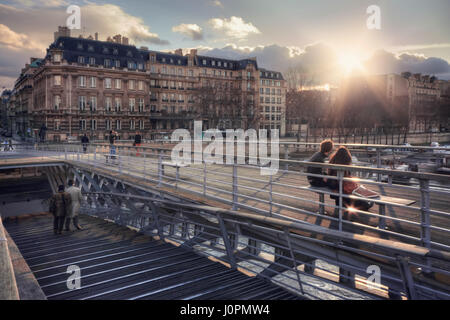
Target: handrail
[8, 285]
[399, 247]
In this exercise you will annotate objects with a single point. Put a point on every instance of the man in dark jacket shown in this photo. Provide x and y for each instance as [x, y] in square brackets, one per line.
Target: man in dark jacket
[85, 142]
[60, 205]
[325, 149]
[137, 143]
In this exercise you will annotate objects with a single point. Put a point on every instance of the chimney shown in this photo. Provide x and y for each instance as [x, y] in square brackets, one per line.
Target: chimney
[179, 52]
[125, 41]
[96, 36]
[193, 52]
[117, 38]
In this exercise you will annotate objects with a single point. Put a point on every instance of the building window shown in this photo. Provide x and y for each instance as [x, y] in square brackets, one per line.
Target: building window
[107, 83]
[131, 84]
[57, 102]
[90, 48]
[91, 61]
[93, 82]
[93, 104]
[82, 81]
[131, 103]
[82, 124]
[141, 105]
[191, 73]
[57, 80]
[132, 125]
[115, 51]
[117, 104]
[94, 124]
[57, 125]
[108, 124]
[82, 103]
[118, 83]
[118, 124]
[57, 57]
[141, 85]
[141, 125]
[107, 63]
[81, 60]
[108, 104]
[117, 63]
[213, 63]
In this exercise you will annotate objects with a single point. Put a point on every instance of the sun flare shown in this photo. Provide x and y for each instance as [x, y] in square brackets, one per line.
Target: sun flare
[350, 62]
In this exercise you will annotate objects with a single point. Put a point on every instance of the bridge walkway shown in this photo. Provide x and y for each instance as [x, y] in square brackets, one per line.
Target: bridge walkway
[119, 263]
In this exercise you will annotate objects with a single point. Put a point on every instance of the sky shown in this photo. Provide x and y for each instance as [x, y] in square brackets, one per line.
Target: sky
[326, 39]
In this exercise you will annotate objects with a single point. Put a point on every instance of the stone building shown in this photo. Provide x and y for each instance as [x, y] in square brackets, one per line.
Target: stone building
[86, 86]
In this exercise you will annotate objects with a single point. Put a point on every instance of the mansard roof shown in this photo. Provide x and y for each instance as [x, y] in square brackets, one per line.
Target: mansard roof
[269, 74]
[73, 48]
[100, 50]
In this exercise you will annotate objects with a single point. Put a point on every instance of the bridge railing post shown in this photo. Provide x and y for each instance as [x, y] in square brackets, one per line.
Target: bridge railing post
[226, 241]
[235, 187]
[378, 164]
[340, 175]
[160, 169]
[204, 177]
[270, 194]
[425, 222]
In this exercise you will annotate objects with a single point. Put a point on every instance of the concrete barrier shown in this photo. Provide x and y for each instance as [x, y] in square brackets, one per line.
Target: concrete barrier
[8, 285]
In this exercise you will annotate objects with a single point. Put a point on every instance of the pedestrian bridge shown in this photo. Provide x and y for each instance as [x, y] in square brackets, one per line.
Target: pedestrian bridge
[273, 230]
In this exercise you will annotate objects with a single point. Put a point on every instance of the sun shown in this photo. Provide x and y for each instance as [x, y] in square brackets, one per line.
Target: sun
[350, 62]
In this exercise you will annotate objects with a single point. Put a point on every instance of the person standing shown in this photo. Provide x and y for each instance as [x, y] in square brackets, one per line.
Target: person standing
[60, 205]
[84, 142]
[325, 149]
[137, 143]
[112, 147]
[76, 199]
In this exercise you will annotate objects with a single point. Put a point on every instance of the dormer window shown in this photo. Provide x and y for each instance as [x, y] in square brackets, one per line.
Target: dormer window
[213, 63]
[107, 63]
[80, 46]
[81, 59]
[105, 50]
[56, 57]
[164, 60]
[225, 64]
[179, 61]
[115, 51]
[219, 64]
[117, 64]
[91, 61]
[90, 48]
[129, 53]
[171, 60]
[204, 62]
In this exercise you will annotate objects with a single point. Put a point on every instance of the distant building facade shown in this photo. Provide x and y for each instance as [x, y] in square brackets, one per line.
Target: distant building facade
[86, 86]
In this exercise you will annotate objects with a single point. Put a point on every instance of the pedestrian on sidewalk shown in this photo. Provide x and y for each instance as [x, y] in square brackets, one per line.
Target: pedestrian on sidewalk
[60, 205]
[84, 142]
[76, 200]
[137, 143]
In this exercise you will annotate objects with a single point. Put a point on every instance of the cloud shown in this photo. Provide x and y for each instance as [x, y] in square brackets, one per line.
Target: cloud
[27, 31]
[16, 41]
[321, 62]
[193, 31]
[235, 27]
[216, 3]
[110, 19]
[318, 60]
[382, 62]
[42, 3]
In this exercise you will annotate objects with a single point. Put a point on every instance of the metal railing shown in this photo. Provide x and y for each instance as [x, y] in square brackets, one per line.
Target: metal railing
[416, 214]
[309, 260]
